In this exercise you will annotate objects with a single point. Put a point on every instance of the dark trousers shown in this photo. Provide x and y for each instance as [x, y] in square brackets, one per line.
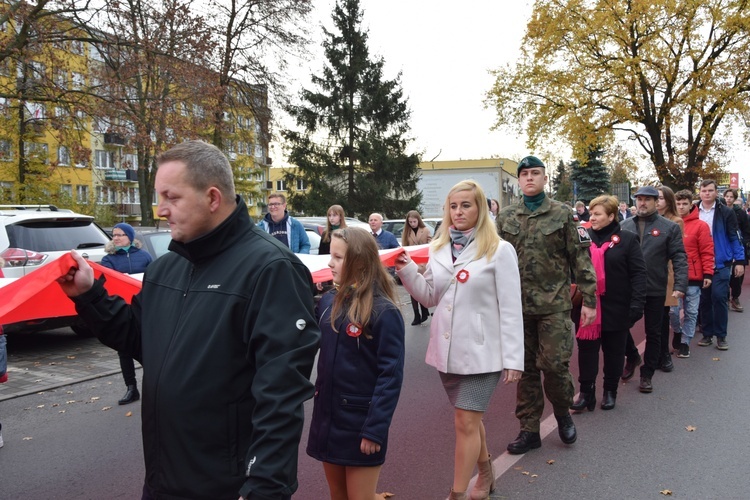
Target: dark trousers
[612, 344]
[127, 365]
[652, 315]
[735, 284]
[714, 307]
[416, 305]
[665, 331]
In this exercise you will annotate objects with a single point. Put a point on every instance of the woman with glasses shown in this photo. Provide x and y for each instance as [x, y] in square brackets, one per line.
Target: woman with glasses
[124, 254]
[476, 334]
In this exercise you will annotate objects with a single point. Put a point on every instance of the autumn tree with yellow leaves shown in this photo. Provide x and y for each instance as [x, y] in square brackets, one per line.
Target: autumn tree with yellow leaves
[672, 75]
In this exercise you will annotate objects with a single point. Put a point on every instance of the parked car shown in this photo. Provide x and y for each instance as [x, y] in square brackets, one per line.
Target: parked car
[32, 236]
[318, 224]
[314, 237]
[155, 241]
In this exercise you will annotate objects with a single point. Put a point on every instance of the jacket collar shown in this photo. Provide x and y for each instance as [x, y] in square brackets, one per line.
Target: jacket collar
[217, 240]
[543, 208]
[444, 256]
[605, 233]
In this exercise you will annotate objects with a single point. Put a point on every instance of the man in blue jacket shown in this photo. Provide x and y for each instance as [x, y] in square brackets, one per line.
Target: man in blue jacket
[282, 226]
[384, 239]
[727, 249]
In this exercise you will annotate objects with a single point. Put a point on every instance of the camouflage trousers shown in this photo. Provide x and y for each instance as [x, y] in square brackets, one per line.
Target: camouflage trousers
[548, 346]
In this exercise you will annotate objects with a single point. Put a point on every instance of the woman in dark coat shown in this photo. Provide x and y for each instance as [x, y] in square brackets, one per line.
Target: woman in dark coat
[125, 255]
[360, 367]
[621, 295]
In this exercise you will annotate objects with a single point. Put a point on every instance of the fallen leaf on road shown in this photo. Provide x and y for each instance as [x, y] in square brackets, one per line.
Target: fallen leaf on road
[40, 406]
[535, 475]
[71, 357]
[518, 468]
[52, 364]
[525, 473]
[550, 462]
[129, 414]
[106, 408]
[55, 405]
[70, 402]
[28, 438]
[384, 495]
[715, 359]
[95, 398]
[68, 392]
[690, 428]
[666, 492]
[61, 411]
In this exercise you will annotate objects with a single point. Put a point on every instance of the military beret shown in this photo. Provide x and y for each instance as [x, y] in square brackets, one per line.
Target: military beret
[529, 162]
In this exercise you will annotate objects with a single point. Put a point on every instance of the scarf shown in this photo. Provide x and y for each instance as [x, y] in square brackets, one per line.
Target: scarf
[533, 202]
[125, 248]
[460, 240]
[594, 330]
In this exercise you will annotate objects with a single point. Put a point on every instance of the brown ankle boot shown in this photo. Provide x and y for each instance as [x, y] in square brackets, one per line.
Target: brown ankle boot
[485, 480]
[458, 496]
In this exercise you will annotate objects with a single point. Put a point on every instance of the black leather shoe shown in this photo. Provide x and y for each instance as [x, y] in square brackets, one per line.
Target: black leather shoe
[585, 400]
[130, 396]
[608, 400]
[666, 364]
[416, 322]
[630, 366]
[566, 429]
[645, 385]
[524, 442]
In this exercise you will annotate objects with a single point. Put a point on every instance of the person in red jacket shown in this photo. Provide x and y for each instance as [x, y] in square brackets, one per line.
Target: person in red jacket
[699, 246]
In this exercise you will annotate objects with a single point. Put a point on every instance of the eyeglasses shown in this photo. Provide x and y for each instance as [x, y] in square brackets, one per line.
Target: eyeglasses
[274, 205]
[118, 235]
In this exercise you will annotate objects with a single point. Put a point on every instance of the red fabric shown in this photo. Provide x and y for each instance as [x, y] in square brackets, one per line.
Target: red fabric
[594, 330]
[699, 246]
[38, 295]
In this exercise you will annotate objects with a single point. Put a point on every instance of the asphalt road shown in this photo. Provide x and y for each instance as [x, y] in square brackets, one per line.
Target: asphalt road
[689, 438]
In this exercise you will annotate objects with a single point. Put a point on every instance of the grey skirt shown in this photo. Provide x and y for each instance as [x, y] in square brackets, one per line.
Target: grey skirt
[470, 392]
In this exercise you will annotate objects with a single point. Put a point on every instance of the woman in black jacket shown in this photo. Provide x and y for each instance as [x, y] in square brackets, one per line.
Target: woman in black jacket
[621, 295]
[743, 224]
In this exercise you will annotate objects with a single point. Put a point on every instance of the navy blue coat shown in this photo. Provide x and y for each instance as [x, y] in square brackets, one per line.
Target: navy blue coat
[132, 261]
[358, 385]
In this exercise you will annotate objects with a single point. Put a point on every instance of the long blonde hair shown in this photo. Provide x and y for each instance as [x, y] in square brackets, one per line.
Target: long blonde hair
[485, 235]
[362, 276]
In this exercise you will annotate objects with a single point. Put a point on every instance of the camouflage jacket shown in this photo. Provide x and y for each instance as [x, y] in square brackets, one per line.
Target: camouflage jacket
[550, 246]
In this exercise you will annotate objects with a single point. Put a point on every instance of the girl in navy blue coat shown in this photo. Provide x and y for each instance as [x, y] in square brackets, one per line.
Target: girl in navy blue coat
[360, 367]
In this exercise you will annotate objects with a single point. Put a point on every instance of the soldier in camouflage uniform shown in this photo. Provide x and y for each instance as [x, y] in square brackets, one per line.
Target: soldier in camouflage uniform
[550, 246]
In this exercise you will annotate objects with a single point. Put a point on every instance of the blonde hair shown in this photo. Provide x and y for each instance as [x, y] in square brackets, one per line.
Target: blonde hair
[609, 203]
[363, 275]
[485, 235]
[338, 209]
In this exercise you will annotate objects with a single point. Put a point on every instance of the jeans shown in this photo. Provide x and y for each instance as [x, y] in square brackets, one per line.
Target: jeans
[652, 316]
[689, 305]
[714, 307]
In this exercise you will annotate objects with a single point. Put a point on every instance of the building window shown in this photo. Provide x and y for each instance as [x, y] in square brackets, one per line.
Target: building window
[79, 80]
[259, 152]
[6, 150]
[63, 155]
[130, 161]
[35, 110]
[82, 193]
[301, 184]
[67, 191]
[76, 47]
[281, 185]
[105, 195]
[131, 196]
[103, 159]
[36, 151]
[6, 191]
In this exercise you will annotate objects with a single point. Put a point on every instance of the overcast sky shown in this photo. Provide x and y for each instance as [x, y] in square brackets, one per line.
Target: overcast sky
[444, 50]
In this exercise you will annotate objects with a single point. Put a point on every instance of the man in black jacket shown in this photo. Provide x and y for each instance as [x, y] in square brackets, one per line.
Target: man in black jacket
[226, 355]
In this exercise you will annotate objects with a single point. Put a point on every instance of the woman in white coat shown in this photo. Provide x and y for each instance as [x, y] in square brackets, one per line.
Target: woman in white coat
[476, 333]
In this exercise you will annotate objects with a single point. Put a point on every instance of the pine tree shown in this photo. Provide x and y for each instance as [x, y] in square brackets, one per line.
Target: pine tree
[351, 150]
[591, 179]
[561, 186]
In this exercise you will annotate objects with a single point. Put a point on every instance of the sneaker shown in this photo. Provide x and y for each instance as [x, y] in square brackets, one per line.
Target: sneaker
[684, 351]
[721, 344]
[706, 341]
[735, 305]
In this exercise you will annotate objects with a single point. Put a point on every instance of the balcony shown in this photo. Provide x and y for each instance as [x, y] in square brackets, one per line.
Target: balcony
[121, 175]
[129, 210]
[114, 139]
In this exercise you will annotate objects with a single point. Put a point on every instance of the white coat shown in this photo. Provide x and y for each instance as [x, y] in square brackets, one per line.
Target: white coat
[477, 326]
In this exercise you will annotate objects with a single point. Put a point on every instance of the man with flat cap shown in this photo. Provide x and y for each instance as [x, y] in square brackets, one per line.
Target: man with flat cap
[550, 246]
[661, 241]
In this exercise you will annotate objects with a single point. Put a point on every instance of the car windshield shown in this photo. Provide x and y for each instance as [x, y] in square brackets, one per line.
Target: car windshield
[159, 242]
[55, 235]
